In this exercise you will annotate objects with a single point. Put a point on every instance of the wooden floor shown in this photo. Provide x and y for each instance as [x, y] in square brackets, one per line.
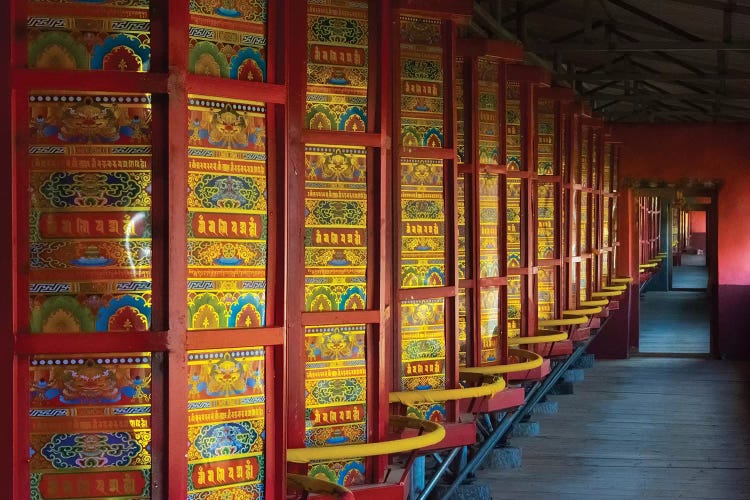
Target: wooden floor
[651, 428]
[675, 322]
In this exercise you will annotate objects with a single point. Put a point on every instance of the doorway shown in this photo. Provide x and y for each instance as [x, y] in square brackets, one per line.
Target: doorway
[676, 304]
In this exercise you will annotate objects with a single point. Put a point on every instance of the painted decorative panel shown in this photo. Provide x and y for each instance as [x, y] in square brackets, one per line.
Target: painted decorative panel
[489, 225]
[546, 137]
[423, 352]
[422, 223]
[460, 113]
[336, 397]
[513, 218]
[90, 212]
[583, 224]
[513, 134]
[421, 66]
[488, 111]
[464, 228]
[464, 325]
[90, 424]
[227, 39]
[546, 217]
[337, 64]
[514, 306]
[583, 167]
[112, 35]
[227, 214]
[490, 324]
[226, 424]
[546, 293]
[335, 228]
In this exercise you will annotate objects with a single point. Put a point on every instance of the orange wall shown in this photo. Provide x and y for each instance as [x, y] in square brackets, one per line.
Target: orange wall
[713, 151]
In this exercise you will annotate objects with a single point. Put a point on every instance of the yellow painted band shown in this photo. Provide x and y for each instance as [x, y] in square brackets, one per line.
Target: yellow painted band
[655, 261]
[627, 279]
[532, 361]
[582, 312]
[307, 484]
[433, 434]
[606, 294]
[410, 398]
[649, 265]
[595, 303]
[553, 336]
[576, 320]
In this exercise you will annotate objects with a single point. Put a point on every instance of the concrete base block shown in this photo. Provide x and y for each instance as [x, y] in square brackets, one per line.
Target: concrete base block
[585, 362]
[573, 375]
[476, 490]
[562, 388]
[525, 429]
[546, 408]
[505, 457]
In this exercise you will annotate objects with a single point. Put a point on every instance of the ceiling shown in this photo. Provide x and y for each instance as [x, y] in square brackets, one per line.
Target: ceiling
[635, 60]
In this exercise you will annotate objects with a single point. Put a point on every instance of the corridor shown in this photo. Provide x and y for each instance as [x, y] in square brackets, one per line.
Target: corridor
[675, 323]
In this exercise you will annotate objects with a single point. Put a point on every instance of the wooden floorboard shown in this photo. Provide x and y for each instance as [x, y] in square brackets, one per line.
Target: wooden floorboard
[651, 428]
[675, 322]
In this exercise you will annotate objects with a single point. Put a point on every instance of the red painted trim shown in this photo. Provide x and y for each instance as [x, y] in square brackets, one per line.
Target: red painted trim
[503, 50]
[372, 140]
[296, 45]
[531, 74]
[426, 293]
[234, 339]
[12, 411]
[91, 81]
[457, 10]
[85, 343]
[444, 153]
[380, 341]
[342, 317]
[268, 93]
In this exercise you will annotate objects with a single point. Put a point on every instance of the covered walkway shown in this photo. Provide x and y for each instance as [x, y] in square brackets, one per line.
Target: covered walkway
[640, 428]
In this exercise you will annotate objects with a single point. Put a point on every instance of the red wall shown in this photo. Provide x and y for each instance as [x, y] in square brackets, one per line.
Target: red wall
[697, 221]
[673, 152]
[676, 151]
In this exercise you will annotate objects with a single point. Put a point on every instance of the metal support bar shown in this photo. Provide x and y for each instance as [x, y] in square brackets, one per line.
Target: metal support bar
[439, 474]
[538, 391]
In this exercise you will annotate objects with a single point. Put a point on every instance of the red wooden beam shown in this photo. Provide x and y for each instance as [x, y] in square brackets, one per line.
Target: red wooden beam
[503, 50]
[12, 412]
[459, 11]
[523, 73]
[236, 89]
[379, 339]
[93, 81]
[175, 239]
